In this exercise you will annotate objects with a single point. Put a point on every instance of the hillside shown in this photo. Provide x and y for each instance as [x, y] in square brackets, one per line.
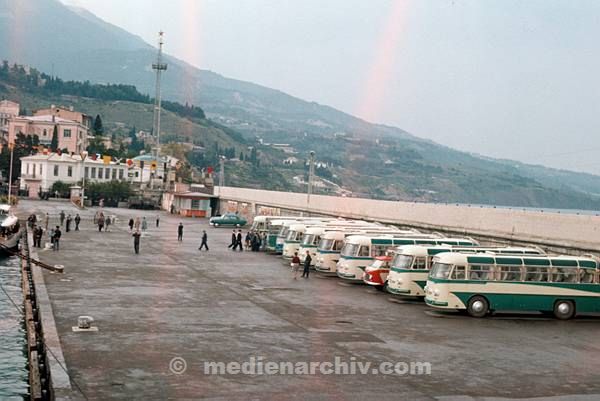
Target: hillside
[367, 159]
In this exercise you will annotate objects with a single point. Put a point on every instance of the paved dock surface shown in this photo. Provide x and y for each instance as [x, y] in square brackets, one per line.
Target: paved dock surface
[174, 301]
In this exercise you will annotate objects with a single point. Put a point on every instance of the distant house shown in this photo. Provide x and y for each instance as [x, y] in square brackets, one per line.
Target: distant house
[285, 147]
[291, 160]
[8, 110]
[67, 114]
[72, 135]
[41, 171]
[189, 201]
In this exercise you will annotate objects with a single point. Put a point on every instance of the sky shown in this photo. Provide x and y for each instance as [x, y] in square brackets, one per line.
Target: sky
[507, 79]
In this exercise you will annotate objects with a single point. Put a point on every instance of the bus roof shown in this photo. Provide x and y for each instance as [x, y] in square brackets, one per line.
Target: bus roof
[516, 260]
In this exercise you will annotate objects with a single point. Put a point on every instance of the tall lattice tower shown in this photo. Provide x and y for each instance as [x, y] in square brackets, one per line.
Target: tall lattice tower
[159, 67]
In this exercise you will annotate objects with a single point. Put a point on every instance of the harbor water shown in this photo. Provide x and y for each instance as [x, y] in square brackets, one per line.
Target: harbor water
[13, 357]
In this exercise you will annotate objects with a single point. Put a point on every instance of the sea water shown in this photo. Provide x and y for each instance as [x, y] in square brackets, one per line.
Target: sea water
[13, 357]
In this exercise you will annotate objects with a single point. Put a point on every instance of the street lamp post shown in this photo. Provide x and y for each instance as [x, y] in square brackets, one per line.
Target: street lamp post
[11, 146]
[83, 155]
[222, 173]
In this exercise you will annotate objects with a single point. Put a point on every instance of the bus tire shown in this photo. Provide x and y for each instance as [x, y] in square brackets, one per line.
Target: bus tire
[564, 310]
[478, 306]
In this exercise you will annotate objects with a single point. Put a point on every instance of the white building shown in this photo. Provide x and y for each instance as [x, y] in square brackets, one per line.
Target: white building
[41, 171]
[147, 168]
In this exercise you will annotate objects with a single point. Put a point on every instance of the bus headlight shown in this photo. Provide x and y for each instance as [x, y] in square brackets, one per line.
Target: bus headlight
[399, 281]
[436, 292]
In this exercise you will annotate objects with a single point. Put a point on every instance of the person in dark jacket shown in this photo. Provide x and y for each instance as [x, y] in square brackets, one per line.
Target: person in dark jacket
[233, 240]
[131, 222]
[307, 263]
[238, 241]
[56, 238]
[136, 241]
[68, 226]
[204, 241]
[62, 217]
[77, 221]
[180, 232]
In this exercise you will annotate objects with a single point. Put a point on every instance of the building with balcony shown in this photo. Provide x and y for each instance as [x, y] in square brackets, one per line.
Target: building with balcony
[72, 135]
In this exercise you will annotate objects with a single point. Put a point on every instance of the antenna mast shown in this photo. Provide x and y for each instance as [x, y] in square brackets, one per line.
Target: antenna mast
[159, 67]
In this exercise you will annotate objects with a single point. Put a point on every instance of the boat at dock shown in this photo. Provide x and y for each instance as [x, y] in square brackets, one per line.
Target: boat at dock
[10, 229]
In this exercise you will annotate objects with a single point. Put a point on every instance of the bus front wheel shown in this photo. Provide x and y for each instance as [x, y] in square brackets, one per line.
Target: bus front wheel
[564, 310]
[478, 306]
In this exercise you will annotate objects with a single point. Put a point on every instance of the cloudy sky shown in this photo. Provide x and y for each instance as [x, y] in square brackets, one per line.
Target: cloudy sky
[508, 79]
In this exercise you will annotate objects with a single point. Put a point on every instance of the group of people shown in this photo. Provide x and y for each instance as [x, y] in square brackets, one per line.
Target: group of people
[253, 241]
[54, 234]
[296, 265]
[103, 222]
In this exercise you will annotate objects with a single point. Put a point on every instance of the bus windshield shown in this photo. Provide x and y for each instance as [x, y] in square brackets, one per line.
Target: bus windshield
[402, 261]
[326, 244]
[291, 235]
[283, 232]
[440, 270]
[309, 239]
[350, 250]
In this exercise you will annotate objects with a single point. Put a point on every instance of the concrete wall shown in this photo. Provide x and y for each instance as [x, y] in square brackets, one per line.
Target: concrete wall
[554, 230]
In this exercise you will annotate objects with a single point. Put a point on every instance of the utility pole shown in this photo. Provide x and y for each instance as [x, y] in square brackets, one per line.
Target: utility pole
[222, 173]
[11, 146]
[83, 155]
[159, 67]
[311, 173]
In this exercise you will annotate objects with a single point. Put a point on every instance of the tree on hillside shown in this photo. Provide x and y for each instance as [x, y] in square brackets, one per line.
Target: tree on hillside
[54, 142]
[242, 156]
[98, 128]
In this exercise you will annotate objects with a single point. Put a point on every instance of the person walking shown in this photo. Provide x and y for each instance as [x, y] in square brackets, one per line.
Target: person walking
[100, 222]
[307, 262]
[57, 235]
[62, 217]
[295, 265]
[46, 221]
[204, 241]
[137, 224]
[144, 224]
[37, 236]
[180, 232]
[233, 240]
[157, 221]
[108, 223]
[136, 241]
[131, 224]
[238, 241]
[77, 221]
[68, 226]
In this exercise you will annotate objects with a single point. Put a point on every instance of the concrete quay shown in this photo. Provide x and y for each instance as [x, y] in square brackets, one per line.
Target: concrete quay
[173, 301]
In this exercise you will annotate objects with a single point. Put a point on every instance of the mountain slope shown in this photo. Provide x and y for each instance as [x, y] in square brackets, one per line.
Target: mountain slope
[369, 159]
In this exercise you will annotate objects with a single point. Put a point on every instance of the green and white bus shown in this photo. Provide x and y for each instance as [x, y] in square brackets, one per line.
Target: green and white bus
[479, 284]
[410, 265]
[360, 251]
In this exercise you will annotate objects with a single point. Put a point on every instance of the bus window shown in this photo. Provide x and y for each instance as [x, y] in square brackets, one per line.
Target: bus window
[510, 273]
[481, 272]
[458, 273]
[534, 273]
[363, 251]
[429, 262]
[586, 275]
[338, 245]
[564, 275]
[378, 250]
[440, 270]
[419, 263]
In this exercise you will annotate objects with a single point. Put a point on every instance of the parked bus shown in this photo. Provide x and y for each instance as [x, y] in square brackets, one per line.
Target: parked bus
[332, 242]
[283, 231]
[411, 263]
[296, 233]
[479, 284]
[274, 227]
[360, 251]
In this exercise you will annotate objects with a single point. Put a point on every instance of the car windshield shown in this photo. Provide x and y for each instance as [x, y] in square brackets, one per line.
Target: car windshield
[402, 261]
[326, 244]
[350, 249]
[440, 270]
[309, 239]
